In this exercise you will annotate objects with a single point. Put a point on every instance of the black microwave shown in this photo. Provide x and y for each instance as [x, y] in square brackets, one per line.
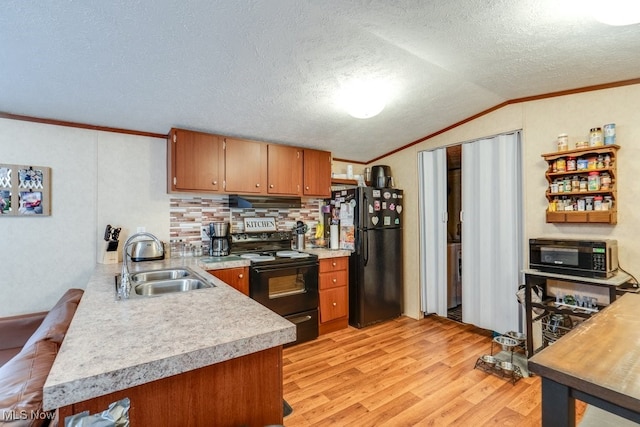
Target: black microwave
[574, 257]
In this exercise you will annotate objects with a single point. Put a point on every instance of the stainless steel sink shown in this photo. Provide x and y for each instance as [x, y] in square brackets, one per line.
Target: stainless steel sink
[159, 287]
[165, 281]
[164, 274]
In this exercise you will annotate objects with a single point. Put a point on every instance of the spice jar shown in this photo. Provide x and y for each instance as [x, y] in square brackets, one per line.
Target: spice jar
[597, 203]
[605, 181]
[563, 142]
[600, 162]
[592, 162]
[610, 134]
[607, 161]
[575, 183]
[582, 144]
[608, 201]
[567, 185]
[583, 184]
[588, 203]
[593, 183]
[561, 164]
[571, 163]
[581, 164]
[595, 137]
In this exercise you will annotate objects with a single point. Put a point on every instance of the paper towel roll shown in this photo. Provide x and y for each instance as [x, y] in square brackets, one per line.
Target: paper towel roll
[334, 235]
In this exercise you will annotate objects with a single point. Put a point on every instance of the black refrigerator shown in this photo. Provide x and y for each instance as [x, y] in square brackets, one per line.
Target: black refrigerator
[371, 226]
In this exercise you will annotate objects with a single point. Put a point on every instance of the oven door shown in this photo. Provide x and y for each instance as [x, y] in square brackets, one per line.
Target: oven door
[285, 289]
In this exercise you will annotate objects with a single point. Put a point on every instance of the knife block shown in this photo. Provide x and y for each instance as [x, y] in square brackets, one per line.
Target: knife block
[109, 256]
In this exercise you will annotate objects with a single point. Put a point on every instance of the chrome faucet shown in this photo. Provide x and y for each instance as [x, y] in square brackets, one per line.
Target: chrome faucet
[125, 284]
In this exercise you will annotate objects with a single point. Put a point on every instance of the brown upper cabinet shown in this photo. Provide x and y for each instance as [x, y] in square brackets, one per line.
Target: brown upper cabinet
[317, 173]
[201, 162]
[285, 170]
[195, 161]
[245, 162]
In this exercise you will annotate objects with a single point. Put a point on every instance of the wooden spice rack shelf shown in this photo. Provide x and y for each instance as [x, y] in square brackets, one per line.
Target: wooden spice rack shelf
[609, 216]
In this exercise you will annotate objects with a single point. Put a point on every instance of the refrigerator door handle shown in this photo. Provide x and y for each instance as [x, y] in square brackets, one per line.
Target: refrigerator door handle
[365, 247]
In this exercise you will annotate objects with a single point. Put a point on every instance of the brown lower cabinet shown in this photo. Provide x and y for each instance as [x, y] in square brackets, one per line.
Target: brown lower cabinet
[238, 278]
[245, 391]
[334, 294]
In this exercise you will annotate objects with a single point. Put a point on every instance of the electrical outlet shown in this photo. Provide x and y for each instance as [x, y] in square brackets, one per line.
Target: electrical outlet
[140, 230]
[203, 233]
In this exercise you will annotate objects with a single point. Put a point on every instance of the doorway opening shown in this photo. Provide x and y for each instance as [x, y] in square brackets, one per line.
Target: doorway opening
[454, 233]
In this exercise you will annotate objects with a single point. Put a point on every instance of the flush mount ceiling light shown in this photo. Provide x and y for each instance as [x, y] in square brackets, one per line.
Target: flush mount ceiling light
[615, 12]
[363, 99]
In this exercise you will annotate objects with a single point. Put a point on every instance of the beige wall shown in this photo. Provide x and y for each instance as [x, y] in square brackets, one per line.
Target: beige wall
[541, 121]
[97, 178]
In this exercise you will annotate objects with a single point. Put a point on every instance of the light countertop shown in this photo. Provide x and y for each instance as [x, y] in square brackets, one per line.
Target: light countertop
[114, 345]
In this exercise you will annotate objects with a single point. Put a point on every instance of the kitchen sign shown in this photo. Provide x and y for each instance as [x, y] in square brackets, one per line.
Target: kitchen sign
[259, 224]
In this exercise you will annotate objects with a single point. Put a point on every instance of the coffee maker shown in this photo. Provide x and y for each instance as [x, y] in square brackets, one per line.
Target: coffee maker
[220, 239]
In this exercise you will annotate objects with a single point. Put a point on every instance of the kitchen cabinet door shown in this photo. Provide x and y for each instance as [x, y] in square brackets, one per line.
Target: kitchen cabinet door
[317, 173]
[284, 170]
[238, 278]
[334, 304]
[245, 166]
[196, 161]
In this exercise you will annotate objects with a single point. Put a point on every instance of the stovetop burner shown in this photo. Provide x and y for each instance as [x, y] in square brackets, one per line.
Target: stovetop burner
[271, 247]
[258, 257]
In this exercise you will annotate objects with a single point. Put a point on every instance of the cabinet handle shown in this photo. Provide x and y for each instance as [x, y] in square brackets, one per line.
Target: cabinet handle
[335, 304]
[334, 263]
[257, 185]
[215, 182]
[335, 280]
[307, 187]
[240, 276]
[271, 186]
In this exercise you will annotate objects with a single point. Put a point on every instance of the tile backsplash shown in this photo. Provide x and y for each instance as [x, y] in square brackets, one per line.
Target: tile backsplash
[189, 215]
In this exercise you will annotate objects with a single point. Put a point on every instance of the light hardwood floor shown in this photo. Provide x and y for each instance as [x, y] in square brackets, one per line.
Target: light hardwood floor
[403, 372]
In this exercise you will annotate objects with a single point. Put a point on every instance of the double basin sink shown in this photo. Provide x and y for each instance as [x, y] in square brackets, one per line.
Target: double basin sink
[166, 281]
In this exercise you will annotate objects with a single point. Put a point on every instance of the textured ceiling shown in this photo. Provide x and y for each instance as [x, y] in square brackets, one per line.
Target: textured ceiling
[271, 69]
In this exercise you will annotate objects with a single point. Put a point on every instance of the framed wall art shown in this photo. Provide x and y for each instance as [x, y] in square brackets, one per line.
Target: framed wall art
[25, 190]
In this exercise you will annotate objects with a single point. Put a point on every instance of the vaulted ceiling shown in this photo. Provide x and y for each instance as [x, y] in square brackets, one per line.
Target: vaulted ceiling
[273, 69]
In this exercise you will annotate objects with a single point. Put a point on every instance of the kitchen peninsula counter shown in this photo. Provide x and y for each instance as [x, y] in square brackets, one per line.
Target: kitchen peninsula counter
[119, 345]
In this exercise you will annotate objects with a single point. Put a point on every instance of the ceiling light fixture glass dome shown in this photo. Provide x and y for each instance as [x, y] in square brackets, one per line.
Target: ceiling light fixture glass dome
[615, 12]
[363, 99]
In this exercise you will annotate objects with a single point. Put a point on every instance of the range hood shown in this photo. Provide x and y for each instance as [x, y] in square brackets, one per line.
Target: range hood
[238, 201]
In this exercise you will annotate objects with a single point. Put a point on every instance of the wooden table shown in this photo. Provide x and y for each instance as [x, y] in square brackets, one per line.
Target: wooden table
[598, 362]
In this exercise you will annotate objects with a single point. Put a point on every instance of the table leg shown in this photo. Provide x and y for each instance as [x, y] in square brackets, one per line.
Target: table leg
[558, 406]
